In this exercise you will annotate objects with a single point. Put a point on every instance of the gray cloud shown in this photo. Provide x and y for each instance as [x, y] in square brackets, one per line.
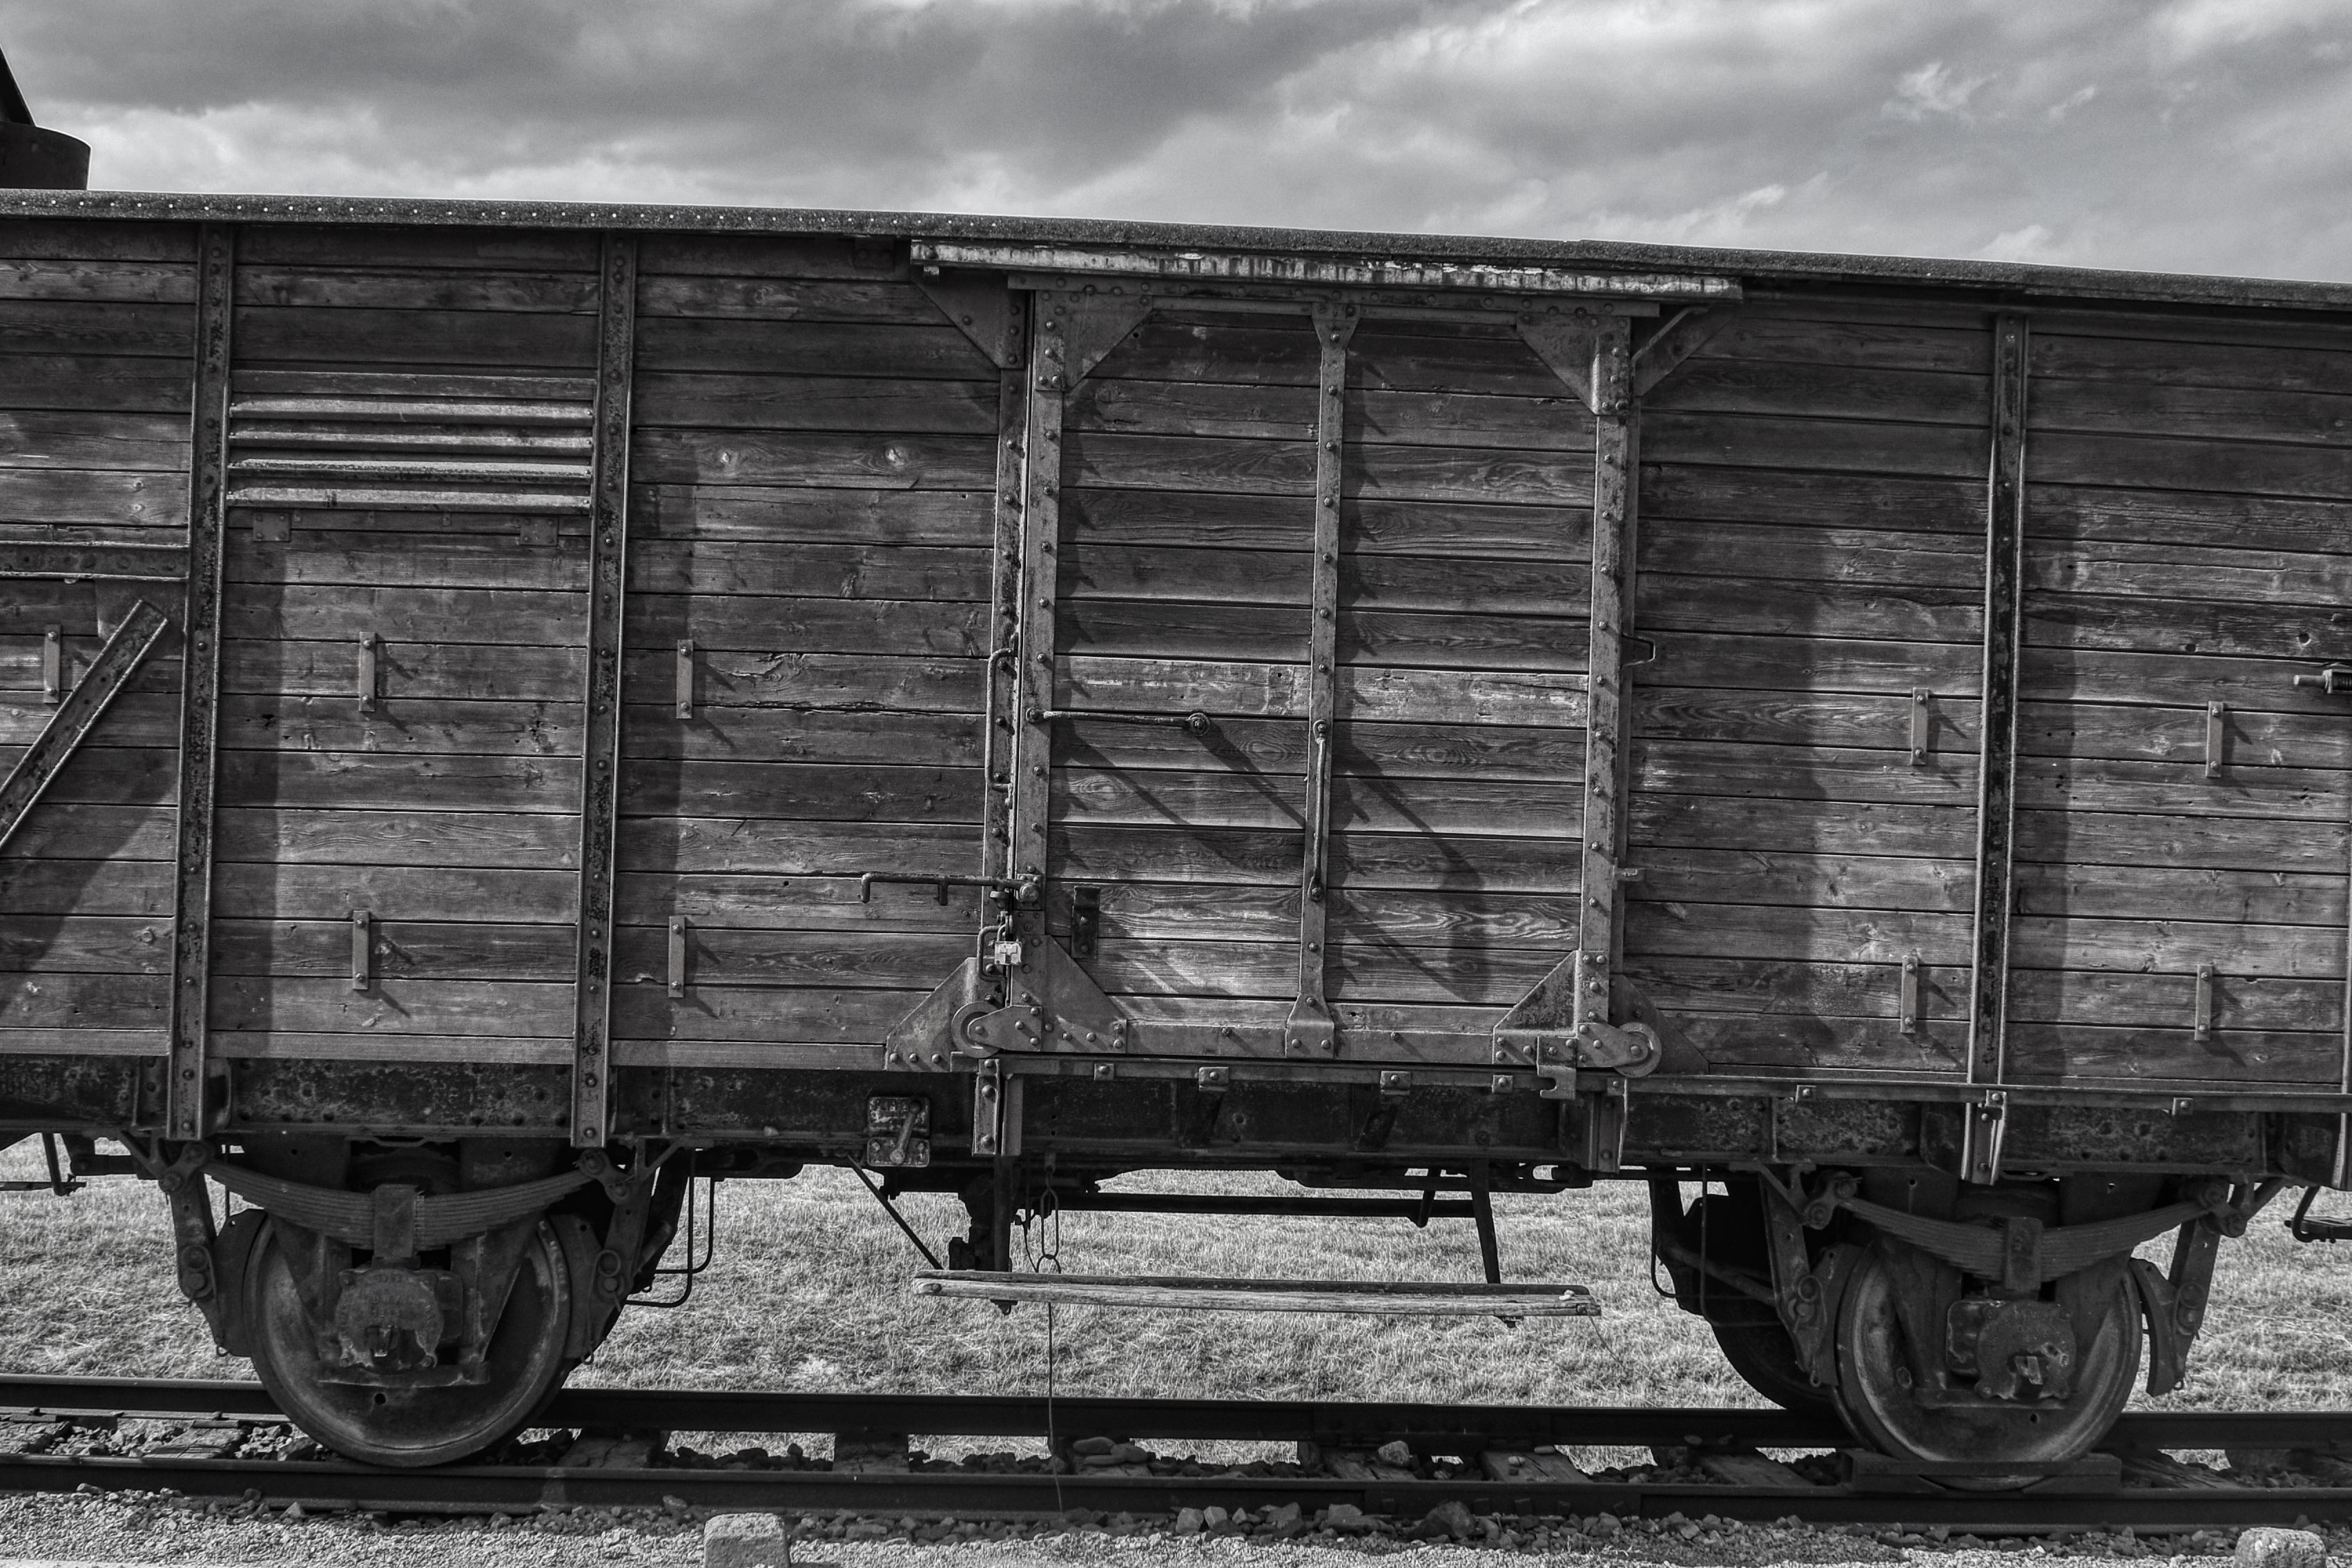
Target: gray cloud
[2190, 135]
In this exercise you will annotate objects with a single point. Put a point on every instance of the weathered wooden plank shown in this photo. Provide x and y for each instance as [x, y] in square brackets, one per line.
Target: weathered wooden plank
[846, 460]
[1797, 336]
[2149, 519]
[97, 239]
[403, 1048]
[2178, 735]
[2163, 891]
[473, 550]
[711, 401]
[112, 886]
[2218, 413]
[1479, 977]
[1108, 460]
[1278, 746]
[655, 735]
[405, 615]
[1820, 987]
[1687, 492]
[112, 775]
[806, 792]
[1536, 586]
[98, 327]
[2042, 1052]
[810, 570]
[1508, 808]
[772, 256]
[329, 892]
[1174, 630]
[750, 902]
[337, 724]
[443, 289]
[1368, 527]
[406, 949]
[1798, 827]
[1761, 931]
[1845, 611]
[1825, 878]
[2176, 789]
[62, 830]
[714, 513]
[2168, 1001]
[1803, 773]
[423, 781]
[1735, 1040]
[477, 391]
[886, 961]
[471, 249]
[810, 682]
[674, 343]
[776, 1015]
[2308, 633]
[1243, 856]
[305, 1005]
[2177, 462]
[770, 625]
[2176, 679]
[532, 841]
[1266, 690]
[500, 339]
[1838, 445]
[2178, 946]
[424, 670]
[1777, 718]
[788, 298]
[1713, 383]
[1381, 917]
[85, 943]
[78, 1002]
[130, 385]
[2166, 359]
[1750, 663]
[2226, 569]
[752, 846]
[1825, 554]
[83, 495]
[2283, 844]
[1239, 410]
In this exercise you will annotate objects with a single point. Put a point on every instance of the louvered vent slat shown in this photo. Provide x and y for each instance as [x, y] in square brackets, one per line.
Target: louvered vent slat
[389, 443]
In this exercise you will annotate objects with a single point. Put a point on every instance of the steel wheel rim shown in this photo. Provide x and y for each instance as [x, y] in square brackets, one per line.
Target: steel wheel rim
[413, 1429]
[1882, 1412]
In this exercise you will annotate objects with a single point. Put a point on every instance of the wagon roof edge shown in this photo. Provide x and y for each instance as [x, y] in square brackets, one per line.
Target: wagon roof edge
[1762, 268]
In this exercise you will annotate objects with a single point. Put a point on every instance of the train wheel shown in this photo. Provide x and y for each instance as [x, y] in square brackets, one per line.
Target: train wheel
[423, 1426]
[1766, 1359]
[1879, 1390]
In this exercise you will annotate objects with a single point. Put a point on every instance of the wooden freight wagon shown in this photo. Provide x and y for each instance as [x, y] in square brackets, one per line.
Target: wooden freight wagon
[516, 706]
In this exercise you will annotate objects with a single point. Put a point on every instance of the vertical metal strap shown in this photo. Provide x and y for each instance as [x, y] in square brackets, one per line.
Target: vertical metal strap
[1613, 416]
[608, 557]
[1310, 1030]
[183, 1098]
[2004, 575]
[1005, 714]
[1050, 379]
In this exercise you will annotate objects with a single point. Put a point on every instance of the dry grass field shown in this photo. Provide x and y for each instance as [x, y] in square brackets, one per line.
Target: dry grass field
[809, 1290]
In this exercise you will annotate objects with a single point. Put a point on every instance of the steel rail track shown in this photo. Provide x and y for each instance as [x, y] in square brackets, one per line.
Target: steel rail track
[2088, 1497]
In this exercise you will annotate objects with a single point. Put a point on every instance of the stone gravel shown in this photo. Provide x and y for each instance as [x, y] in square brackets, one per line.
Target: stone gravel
[92, 1527]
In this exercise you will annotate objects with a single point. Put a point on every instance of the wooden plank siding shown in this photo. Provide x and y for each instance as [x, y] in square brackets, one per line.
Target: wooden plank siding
[814, 467]
[1810, 554]
[814, 458]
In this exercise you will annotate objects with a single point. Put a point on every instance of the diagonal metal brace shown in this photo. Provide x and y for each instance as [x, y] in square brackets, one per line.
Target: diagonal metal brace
[76, 716]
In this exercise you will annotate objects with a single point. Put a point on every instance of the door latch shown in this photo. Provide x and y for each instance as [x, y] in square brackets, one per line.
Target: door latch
[2335, 681]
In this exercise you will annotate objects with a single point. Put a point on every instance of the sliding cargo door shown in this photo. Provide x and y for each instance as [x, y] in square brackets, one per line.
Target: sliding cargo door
[1301, 553]
[2182, 771]
[396, 847]
[1802, 827]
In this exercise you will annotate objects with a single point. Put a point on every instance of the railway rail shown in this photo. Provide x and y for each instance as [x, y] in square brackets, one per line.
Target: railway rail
[2134, 1480]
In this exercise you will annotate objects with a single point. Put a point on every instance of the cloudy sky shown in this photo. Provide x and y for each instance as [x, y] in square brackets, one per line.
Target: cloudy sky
[2199, 135]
